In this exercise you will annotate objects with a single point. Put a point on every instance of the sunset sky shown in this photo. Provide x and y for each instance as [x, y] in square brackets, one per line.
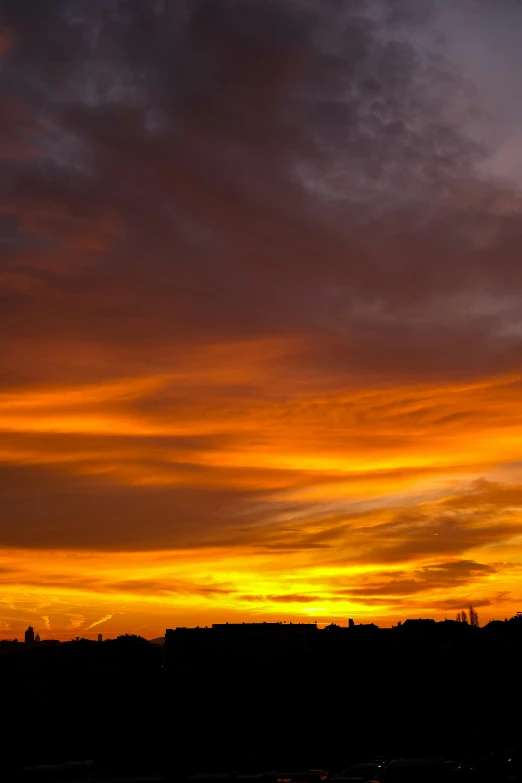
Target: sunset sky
[261, 312]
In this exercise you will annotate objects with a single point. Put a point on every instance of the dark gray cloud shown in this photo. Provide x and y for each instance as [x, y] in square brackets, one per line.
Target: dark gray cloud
[252, 168]
[433, 577]
[44, 509]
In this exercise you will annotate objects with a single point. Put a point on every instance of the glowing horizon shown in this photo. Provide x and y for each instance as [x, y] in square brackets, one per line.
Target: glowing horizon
[323, 537]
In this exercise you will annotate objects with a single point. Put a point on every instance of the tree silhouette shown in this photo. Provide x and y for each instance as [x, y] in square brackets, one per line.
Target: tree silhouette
[130, 639]
[469, 618]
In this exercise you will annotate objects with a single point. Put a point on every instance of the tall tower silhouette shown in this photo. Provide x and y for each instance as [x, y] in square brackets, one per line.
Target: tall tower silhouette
[29, 635]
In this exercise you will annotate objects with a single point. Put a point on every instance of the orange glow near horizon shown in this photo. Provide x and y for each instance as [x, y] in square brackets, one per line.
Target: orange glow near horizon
[374, 503]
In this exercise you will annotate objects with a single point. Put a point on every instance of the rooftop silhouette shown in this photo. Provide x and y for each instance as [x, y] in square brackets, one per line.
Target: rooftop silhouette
[245, 643]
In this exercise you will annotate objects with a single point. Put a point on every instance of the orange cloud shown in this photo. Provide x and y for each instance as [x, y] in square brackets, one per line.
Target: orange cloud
[319, 504]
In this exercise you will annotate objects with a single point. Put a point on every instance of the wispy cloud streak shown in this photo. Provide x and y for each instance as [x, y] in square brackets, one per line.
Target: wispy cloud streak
[98, 622]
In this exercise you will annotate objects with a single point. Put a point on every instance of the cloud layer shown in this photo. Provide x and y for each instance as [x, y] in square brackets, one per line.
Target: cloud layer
[260, 296]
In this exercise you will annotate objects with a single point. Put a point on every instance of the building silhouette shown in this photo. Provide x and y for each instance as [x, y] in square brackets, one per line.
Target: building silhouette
[37, 638]
[254, 645]
[240, 643]
[100, 637]
[29, 635]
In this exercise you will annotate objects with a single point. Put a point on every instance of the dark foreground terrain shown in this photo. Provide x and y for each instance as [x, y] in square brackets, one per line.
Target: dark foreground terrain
[119, 704]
